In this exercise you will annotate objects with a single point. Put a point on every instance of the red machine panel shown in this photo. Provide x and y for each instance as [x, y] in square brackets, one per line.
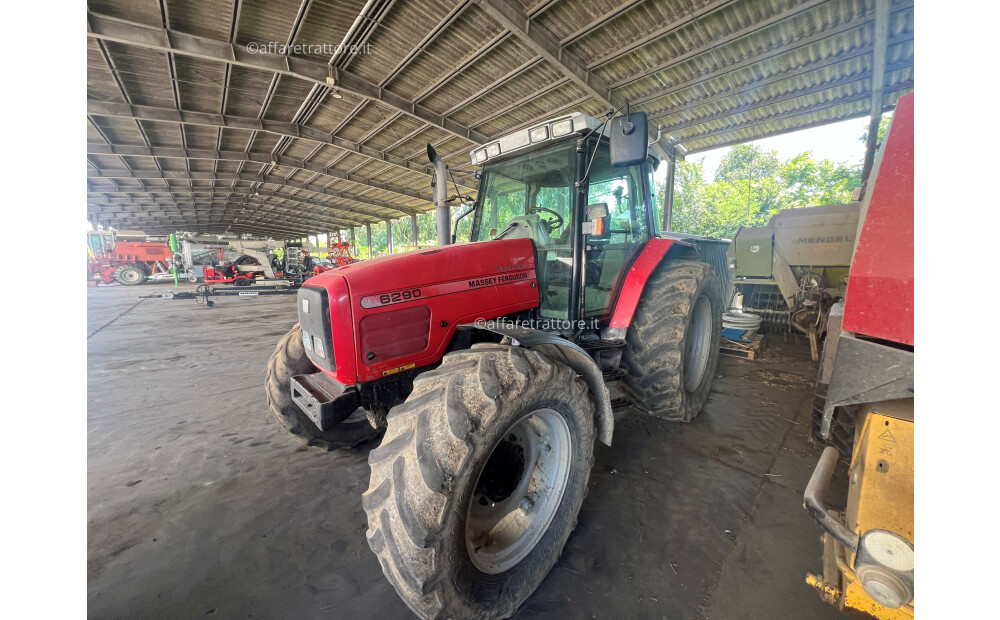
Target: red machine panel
[880, 289]
[634, 282]
[444, 286]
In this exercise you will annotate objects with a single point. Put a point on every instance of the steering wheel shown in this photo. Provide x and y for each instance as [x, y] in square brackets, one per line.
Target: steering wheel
[550, 225]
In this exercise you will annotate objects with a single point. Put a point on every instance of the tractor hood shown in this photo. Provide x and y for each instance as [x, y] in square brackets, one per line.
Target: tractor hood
[437, 265]
[399, 312]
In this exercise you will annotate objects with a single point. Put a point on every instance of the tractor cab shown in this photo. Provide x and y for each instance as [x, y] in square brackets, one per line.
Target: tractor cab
[556, 184]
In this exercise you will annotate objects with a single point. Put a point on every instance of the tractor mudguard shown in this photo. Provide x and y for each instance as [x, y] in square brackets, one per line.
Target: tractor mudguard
[569, 353]
[635, 281]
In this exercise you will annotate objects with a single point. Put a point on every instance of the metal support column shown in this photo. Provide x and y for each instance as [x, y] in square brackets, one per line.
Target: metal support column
[668, 190]
[413, 222]
[368, 231]
[388, 234]
[878, 81]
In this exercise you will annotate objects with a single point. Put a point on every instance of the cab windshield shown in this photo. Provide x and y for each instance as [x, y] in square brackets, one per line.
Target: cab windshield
[531, 196]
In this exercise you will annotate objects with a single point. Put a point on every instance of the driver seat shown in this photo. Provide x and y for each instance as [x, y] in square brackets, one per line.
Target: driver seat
[528, 226]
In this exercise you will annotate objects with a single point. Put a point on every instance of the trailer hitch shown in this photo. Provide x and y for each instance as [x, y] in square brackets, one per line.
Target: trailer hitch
[202, 294]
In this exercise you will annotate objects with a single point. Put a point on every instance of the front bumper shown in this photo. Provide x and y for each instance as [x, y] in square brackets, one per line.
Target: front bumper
[325, 400]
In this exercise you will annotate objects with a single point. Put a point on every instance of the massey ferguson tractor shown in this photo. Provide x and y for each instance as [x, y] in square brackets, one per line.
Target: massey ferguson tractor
[864, 401]
[486, 363]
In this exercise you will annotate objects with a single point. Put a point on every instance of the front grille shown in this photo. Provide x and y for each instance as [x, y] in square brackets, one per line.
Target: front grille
[314, 319]
[390, 335]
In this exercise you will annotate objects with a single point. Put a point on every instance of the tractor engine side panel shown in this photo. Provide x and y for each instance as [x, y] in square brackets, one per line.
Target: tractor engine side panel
[405, 334]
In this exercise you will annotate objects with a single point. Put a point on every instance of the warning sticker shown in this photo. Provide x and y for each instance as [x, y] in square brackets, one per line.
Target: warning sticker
[887, 436]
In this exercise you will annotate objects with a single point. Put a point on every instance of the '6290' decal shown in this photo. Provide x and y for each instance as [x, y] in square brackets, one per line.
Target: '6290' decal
[385, 299]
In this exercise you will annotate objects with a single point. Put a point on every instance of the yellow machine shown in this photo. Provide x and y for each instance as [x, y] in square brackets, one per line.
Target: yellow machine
[868, 550]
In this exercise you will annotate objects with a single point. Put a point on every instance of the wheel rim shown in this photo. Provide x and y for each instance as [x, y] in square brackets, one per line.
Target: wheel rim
[699, 341]
[518, 491]
[130, 275]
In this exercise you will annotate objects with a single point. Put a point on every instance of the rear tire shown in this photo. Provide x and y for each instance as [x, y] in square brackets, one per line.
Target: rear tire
[672, 345]
[289, 359]
[456, 441]
[130, 275]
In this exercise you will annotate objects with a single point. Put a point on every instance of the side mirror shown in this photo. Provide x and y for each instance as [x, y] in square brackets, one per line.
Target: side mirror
[594, 225]
[629, 139]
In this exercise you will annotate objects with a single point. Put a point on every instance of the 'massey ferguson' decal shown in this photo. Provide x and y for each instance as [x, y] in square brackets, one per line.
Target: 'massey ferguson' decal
[397, 297]
[493, 280]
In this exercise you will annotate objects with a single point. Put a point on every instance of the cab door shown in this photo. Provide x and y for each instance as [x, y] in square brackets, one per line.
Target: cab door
[627, 228]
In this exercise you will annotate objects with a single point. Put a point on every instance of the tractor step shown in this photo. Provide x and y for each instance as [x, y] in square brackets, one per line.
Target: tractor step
[744, 350]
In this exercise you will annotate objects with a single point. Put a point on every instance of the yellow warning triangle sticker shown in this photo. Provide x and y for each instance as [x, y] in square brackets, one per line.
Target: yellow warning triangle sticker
[887, 436]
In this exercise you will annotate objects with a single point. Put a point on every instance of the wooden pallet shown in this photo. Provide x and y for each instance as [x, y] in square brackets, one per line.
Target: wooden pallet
[744, 350]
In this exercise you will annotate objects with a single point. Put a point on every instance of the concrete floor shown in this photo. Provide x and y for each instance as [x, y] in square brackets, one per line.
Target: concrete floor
[200, 504]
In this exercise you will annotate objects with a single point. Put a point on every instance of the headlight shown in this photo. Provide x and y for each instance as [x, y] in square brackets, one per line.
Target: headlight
[320, 351]
[307, 340]
[884, 564]
[538, 134]
[493, 150]
[732, 263]
[480, 156]
[562, 128]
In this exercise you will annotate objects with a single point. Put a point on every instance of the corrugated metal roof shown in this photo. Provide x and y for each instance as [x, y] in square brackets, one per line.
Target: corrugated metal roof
[194, 131]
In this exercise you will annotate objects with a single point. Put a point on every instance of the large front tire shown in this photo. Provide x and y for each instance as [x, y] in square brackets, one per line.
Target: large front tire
[289, 359]
[479, 480]
[672, 345]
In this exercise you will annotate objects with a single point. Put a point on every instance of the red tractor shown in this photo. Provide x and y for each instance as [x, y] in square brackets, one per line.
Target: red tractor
[486, 363]
[126, 262]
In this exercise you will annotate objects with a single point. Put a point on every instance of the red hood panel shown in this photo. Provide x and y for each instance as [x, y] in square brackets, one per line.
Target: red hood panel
[435, 265]
[458, 284]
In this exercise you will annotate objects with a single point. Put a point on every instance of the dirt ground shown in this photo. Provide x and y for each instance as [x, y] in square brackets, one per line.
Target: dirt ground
[198, 503]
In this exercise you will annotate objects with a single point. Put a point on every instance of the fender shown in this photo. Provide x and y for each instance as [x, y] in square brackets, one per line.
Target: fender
[569, 353]
[635, 281]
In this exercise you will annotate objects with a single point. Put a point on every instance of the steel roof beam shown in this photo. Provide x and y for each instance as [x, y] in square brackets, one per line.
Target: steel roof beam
[427, 40]
[191, 209]
[162, 226]
[541, 41]
[228, 195]
[126, 198]
[233, 210]
[707, 47]
[257, 157]
[882, 10]
[171, 41]
[182, 175]
[786, 115]
[769, 54]
[488, 47]
[762, 103]
[225, 121]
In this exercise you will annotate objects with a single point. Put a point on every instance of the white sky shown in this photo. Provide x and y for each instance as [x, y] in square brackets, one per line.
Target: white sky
[837, 142]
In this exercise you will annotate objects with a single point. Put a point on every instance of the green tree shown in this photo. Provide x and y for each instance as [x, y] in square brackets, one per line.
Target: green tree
[689, 208]
[751, 185]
